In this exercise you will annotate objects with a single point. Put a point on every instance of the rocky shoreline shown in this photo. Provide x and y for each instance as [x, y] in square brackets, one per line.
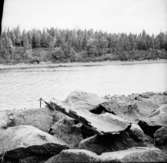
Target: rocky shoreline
[87, 128]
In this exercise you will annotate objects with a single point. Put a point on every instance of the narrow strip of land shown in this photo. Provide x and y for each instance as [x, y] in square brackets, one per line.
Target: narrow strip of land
[75, 64]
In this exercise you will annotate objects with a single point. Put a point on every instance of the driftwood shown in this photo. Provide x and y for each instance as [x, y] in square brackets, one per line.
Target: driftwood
[100, 124]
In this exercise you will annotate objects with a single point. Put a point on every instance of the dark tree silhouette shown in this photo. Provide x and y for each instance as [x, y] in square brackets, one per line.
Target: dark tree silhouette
[79, 45]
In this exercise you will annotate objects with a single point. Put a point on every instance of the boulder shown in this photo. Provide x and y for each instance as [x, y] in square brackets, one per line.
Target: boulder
[139, 135]
[159, 116]
[41, 118]
[148, 129]
[66, 129]
[146, 94]
[83, 100]
[35, 153]
[32, 159]
[156, 99]
[6, 119]
[74, 156]
[145, 108]
[156, 120]
[137, 132]
[160, 136]
[128, 109]
[24, 141]
[24, 136]
[136, 154]
[159, 99]
[93, 144]
[165, 93]
[111, 142]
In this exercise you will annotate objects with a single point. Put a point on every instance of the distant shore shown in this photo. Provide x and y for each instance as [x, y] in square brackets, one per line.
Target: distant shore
[75, 64]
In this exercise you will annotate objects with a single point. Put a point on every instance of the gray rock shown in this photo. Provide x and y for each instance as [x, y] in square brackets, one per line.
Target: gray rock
[156, 99]
[147, 94]
[111, 142]
[156, 120]
[24, 136]
[165, 93]
[83, 100]
[32, 159]
[74, 156]
[35, 153]
[128, 109]
[103, 123]
[25, 142]
[158, 117]
[138, 154]
[67, 131]
[137, 132]
[41, 118]
[160, 136]
[92, 144]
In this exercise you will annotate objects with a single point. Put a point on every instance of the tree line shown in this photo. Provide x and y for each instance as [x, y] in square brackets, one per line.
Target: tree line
[58, 45]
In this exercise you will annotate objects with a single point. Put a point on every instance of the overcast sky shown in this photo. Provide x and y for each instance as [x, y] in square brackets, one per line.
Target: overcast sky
[107, 15]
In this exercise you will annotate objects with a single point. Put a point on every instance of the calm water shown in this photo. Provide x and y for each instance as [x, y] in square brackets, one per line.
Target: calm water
[23, 88]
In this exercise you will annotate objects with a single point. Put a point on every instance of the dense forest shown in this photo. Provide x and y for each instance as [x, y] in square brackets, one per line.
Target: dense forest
[55, 45]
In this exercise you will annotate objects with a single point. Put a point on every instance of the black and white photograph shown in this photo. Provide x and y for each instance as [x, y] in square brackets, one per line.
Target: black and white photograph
[83, 81]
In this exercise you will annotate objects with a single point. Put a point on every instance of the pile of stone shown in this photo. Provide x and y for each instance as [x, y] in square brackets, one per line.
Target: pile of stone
[87, 128]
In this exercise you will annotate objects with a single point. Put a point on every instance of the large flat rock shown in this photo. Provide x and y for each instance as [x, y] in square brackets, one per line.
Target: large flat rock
[103, 123]
[78, 106]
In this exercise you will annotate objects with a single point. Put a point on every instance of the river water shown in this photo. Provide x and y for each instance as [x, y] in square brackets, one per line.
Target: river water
[22, 88]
